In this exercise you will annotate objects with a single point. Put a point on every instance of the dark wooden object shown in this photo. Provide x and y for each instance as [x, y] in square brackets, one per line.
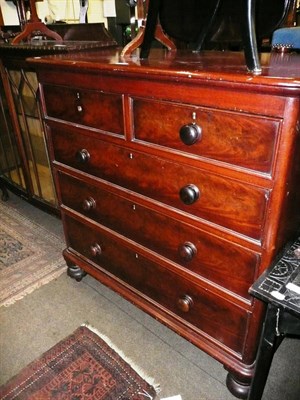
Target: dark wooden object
[1, 18]
[283, 312]
[178, 179]
[197, 22]
[33, 26]
[3, 188]
[76, 37]
[153, 31]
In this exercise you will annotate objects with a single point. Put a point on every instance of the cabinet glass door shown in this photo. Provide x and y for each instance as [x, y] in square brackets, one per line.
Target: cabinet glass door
[24, 88]
[10, 162]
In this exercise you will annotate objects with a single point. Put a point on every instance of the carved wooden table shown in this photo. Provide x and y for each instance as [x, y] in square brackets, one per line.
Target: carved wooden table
[178, 183]
[279, 287]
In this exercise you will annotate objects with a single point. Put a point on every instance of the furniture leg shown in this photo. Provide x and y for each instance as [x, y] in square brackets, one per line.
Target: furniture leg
[35, 25]
[73, 270]
[151, 22]
[249, 37]
[206, 27]
[76, 272]
[239, 388]
[3, 188]
[149, 30]
[266, 351]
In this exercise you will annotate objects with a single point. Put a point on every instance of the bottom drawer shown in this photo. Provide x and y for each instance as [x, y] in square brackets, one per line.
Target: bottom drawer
[182, 296]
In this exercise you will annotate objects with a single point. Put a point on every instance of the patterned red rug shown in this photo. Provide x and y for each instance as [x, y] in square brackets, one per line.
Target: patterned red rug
[80, 367]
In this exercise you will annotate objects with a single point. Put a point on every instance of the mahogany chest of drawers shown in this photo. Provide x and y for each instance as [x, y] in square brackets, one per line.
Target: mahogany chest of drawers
[178, 182]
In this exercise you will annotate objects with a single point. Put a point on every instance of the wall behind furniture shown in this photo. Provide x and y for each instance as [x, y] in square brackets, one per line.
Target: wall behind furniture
[9, 13]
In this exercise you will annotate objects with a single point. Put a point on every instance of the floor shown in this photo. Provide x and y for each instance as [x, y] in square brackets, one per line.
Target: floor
[41, 319]
[41, 180]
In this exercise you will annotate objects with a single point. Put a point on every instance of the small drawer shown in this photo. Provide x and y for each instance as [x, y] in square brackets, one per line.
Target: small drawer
[235, 138]
[233, 204]
[94, 109]
[184, 299]
[215, 259]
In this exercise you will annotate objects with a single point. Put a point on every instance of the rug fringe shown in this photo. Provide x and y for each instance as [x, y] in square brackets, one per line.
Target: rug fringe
[147, 378]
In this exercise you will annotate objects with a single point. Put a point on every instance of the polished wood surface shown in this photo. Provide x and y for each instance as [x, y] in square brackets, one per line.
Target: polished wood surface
[214, 259]
[178, 183]
[216, 67]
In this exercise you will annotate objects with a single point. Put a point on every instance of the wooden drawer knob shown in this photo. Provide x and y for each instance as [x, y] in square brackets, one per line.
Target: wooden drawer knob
[88, 204]
[82, 156]
[189, 194]
[190, 133]
[95, 250]
[185, 303]
[187, 251]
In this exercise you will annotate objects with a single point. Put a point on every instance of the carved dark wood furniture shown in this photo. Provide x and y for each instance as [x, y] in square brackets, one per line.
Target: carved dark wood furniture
[196, 22]
[33, 25]
[269, 15]
[178, 183]
[279, 287]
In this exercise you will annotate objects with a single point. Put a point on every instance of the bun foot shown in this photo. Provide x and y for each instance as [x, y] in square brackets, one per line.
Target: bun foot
[75, 272]
[237, 388]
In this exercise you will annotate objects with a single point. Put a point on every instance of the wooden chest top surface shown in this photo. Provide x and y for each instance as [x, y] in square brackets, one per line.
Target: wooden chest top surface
[278, 70]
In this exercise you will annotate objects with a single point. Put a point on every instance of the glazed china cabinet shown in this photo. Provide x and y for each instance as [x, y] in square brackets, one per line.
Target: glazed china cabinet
[24, 160]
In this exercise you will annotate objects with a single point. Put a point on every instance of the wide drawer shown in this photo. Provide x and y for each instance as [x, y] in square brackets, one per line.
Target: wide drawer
[242, 139]
[85, 107]
[215, 259]
[233, 204]
[186, 300]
